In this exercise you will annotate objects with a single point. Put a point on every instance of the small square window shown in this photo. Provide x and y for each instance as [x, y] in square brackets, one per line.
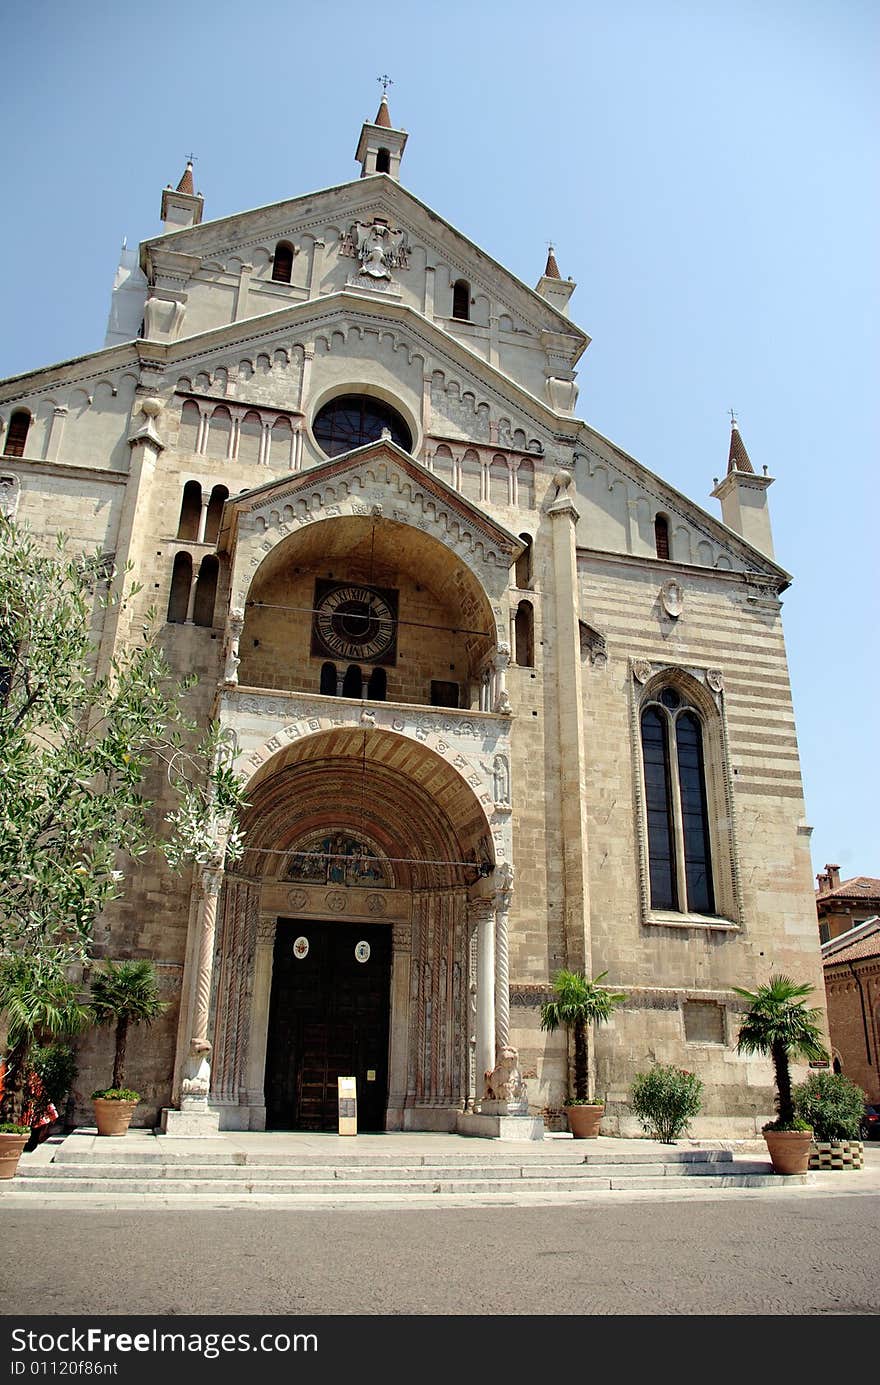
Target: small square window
[703, 1022]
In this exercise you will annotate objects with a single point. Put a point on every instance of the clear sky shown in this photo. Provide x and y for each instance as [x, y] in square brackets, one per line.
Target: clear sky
[704, 168]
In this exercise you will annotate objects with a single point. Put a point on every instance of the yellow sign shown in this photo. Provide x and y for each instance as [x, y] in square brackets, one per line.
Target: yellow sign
[348, 1124]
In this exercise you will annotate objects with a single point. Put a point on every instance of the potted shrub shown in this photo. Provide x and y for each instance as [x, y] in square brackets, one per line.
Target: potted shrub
[123, 994]
[779, 1023]
[833, 1106]
[39, 1003]
[666, 1099]
[578, 1003]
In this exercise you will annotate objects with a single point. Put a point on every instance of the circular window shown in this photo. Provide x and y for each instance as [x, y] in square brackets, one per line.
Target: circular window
[350, 420]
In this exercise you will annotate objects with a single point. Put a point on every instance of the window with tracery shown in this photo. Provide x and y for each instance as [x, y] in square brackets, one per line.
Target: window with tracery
[677, 805]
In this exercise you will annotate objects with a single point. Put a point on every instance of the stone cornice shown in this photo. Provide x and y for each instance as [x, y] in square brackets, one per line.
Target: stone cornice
[77, 369]
[776, 581]
[72, 472]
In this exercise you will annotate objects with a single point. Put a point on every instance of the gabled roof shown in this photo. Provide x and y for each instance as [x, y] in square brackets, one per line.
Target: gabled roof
[224, 233]
[858, 944]
[860, 887]
[306, 481]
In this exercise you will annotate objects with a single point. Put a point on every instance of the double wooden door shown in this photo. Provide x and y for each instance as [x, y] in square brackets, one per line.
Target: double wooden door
[328, 1018]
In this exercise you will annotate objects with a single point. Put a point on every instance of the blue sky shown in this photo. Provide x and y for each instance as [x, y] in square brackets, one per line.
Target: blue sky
[704, 169]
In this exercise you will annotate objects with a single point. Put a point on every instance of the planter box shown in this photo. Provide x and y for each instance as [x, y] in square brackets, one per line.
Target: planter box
[11, 1147]
[836, 1154]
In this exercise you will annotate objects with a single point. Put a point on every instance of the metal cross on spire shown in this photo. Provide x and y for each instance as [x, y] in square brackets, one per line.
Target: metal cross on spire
[386, 83]
[190, 158]
[732, 413]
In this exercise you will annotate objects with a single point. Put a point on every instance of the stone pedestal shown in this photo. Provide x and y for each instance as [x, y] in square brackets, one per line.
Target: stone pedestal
[185, 1124]
[500, 1127]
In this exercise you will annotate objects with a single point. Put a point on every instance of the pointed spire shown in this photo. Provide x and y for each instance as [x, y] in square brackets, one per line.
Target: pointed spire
[552, 270]
[383, 116]
[186, 183]
[738, 457]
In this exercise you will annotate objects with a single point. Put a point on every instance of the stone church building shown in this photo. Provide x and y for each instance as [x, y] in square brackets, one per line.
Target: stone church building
[505, 701]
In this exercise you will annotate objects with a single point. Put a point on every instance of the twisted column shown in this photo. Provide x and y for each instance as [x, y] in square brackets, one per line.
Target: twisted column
[504, 877]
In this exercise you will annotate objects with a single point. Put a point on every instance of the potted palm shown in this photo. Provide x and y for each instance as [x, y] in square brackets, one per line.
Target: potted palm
[38, 1003]
[123, 994]
[578, 1003]
[779, 1023]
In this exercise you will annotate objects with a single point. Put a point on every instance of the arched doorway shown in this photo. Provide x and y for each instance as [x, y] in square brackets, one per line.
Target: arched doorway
[354, 836]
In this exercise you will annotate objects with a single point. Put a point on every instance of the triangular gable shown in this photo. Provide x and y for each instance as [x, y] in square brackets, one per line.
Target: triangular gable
[287, 488]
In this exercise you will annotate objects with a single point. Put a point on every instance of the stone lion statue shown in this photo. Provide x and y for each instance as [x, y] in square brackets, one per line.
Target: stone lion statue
[504, 1082]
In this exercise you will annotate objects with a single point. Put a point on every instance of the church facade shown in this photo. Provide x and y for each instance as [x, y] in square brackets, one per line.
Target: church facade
[504, 700]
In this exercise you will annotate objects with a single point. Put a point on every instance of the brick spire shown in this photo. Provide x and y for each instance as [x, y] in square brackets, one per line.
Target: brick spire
[383, 117]
[552, 270]
[186, 182]
[738, 457]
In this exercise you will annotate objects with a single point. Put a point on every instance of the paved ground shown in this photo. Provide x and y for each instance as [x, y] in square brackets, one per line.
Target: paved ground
[727, 1254]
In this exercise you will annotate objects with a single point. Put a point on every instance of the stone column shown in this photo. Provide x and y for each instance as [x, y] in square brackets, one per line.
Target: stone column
[482, 913]
[56, 433]
[504, 878]
[203, 519]
[255, 1073]
[241, 297]
[194, 1117]
[501, 662]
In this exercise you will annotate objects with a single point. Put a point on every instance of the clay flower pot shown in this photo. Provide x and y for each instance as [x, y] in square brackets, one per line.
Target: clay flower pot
[789, 1150]
[584, 1121]
[11, 1147]
[113, 1117]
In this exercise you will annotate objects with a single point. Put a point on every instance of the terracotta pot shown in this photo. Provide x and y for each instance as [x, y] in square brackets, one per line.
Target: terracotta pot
[789, 1150]
[584, 1121]
[113, 1117]
[11, 1147]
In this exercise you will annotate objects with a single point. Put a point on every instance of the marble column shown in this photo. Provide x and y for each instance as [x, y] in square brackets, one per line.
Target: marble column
[255, 1072]
[482, 913]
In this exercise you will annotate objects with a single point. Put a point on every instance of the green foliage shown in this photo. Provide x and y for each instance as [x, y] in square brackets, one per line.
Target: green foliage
[666, 1099]
[578, 1003]
[585, 1101]
[125, 993]
[115, 1094]
[779, 1023]
[831, 1104]
[782, 1127]
[10, 1128]
[39, 1003]
[55, 1066]
[77, 743]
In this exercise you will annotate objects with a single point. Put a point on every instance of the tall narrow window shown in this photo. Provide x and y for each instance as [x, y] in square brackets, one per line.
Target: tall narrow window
[190, 512]
[661, 536]
[282, 263]
[524, 564]
[461, 299]
[676, 803]
[219, 496]
[181, 582]
[328, 680]
[378, 685]
[16, 433]
[524, 635]
[206, 592]
[383, 161]
[353, 682]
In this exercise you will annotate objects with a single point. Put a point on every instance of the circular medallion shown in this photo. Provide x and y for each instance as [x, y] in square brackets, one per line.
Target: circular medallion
[376, 903]
[335, 901]
[354, 622]
[362, 952]
[297, 899]
[301, 948]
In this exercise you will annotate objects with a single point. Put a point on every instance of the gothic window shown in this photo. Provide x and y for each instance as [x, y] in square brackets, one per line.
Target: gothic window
[219, 496]
[383, 161]
[181, 582]
[16, 433]
[524, 564]
[190, 512]
[661, 536]
[676, 803]
[351, 420]
[461, 300]
[328, 680]
[206, 591]
[282, 263]
[524, 635]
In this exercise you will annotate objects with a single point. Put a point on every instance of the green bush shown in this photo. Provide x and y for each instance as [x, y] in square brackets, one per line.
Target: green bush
[831, 1104]
[10, 1128]
[55, 1066]
[115, 1094]
[665, 1100]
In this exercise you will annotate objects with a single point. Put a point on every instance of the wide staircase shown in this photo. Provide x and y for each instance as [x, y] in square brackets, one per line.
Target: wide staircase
[142, 1169]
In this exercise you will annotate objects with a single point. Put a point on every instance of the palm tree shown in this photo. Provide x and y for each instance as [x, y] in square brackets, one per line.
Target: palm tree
[579, 1002]
[125, 993]
[39, 1003]
[779, 1023]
